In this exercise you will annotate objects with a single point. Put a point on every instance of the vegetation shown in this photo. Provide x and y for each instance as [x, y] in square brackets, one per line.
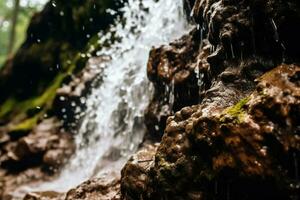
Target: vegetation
[236, 112]
[23, 13]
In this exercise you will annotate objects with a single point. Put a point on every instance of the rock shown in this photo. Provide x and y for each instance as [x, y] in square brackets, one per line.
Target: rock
[239, 140]
[44, 196]
[46, 144]
[253, 35]
[171, 69]
[35, 156]
[135, 172]
[246, 151]
[95, 189]
[11, 181]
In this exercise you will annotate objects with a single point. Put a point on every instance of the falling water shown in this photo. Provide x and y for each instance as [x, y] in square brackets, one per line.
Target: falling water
[112, 127]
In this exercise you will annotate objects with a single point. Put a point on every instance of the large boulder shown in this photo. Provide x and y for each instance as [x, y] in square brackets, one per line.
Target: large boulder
[246, 151]
[254, 35]
[240, 137]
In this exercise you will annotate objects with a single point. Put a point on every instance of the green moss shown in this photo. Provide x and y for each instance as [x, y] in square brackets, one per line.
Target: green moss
[7, 106]
[236, 112]
[43, 102]
[27, 124]
[72, 62]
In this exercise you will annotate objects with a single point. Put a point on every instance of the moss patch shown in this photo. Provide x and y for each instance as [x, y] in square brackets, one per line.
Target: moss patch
[236, 112]
[27, 124]
[14, 109]
[7, 107]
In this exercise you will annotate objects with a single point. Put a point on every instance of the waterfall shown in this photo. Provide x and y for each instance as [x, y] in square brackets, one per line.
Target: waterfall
[112, 127]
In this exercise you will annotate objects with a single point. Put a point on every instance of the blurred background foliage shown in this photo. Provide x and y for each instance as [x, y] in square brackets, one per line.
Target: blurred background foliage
[21, 10]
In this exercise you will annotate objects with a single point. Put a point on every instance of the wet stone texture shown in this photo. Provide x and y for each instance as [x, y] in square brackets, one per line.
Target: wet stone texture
[226, 107]
[171, 69]
[254, 35]
[135, 172]
[96, 189]
[34, 156]
[246, 151]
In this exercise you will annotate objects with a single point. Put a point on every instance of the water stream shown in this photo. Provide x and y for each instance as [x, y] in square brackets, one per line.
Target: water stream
[112, 126]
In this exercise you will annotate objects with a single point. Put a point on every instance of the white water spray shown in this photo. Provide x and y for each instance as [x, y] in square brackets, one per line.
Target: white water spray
[112, 127]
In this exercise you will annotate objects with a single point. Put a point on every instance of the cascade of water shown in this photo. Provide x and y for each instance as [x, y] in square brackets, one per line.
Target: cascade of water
[112, 127]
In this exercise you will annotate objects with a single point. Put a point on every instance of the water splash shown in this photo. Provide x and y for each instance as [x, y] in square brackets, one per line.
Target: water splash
[113, 124]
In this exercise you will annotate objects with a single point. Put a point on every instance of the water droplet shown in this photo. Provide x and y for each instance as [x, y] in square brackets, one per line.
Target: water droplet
[82, 100]
[276, 34]
[73, 104]
[232, 51]
[263, 150]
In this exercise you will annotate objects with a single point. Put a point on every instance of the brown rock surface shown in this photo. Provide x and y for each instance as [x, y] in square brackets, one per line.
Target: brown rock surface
[34, 156]
[96, 189]
[44, 196]
[135, 172]
[254, 35]
[247, 151]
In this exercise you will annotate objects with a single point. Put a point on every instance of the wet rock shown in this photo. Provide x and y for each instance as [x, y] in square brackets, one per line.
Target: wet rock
[95, 189]
[171, 69]
[46, 144]
[246, 151]
[135, 172]
[44, 196]
[35, 156]
[10, 181]
[251, 36]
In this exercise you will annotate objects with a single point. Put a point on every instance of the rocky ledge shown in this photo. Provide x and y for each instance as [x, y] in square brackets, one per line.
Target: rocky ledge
[246, 151]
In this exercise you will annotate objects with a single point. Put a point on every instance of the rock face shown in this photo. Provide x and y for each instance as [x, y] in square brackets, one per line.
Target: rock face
[238, 137]
[254, 35]
[247, 151]
[172, 70]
